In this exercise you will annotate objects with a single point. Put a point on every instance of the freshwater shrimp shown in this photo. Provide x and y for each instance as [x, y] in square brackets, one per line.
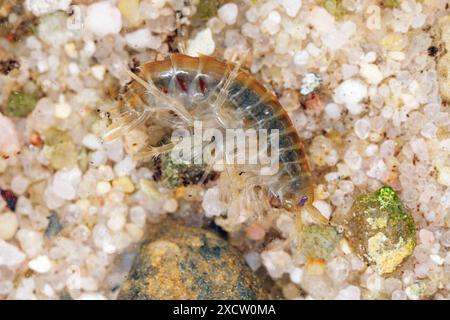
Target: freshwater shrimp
[222, 95]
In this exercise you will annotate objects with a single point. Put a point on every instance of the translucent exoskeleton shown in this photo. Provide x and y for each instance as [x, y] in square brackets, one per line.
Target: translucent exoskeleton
[181, 89]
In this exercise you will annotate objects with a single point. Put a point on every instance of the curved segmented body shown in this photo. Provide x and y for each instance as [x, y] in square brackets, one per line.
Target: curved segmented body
[222, 95]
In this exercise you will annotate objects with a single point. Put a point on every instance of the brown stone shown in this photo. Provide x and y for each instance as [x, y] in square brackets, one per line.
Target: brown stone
[179, 262]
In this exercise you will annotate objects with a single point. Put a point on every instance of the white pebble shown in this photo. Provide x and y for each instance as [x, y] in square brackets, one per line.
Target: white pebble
[355, 108]
[301, 58]
[349, 70]
[25, 290]
[62, 109]
[124, 167]
[134, 232]
[373, 22]
[142, 39]
[98, 158]
[291, 6]
[10, 255]
[371, 150]
[333, 110]
[8, 225]
[138, 216]
[203, 43]
[42, 7]
[371, 73]
[362, 128]
[426, 237]
[170, 205]
[378, 170]
[271, 24]
[9, 139]
[374, 282]
[277, 262]
[88, 49]
[323, 207]
[116, 222]
[313, 50]
[74, 69]
[103, 187]
[65, 183]
[286, 225]
[53, 30]
[349, 293]
[30, 241]
[353, 159]
[92, 142]
[40, 264]
[253, 260]
[321, 20]
[444, 176]
[387, 148]
[91, 296]
[350, 92]
[71, 50]
[396, 55]
[19, 184]
[114, 150]
[429, 131]
[398, 295]
[98, 71]
[310, 82]
[339, 268]
[228, 13]
[296, 275]
[6, 287]
[211, 203]
[420, 148]
[103, 18]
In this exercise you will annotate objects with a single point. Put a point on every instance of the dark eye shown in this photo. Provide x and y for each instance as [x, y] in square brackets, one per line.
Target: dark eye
[302, 201]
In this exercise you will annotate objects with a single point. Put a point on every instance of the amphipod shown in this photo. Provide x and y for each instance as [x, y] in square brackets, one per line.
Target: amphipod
[181, 89]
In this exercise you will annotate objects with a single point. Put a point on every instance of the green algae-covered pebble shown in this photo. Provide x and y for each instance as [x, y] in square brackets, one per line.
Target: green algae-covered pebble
[176, 174]
[392, 3]
[53, 136]
[207, 9]
[380, 230]
[20, 104]
[179, 262]
[335, 8]
[319, 241]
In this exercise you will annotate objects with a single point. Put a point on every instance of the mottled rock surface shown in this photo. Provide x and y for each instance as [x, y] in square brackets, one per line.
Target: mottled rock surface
[380, 230]
[319, 241]
[179, 262]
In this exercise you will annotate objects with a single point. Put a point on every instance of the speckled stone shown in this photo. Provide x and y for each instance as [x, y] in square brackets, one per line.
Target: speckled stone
[380, 230]
[179, 262]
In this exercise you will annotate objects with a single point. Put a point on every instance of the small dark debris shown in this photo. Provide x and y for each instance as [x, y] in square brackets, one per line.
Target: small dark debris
[157, 164]
[115, 288]
[432, 51]
[10, 198]
[65, 296]
[8, 65]
[218, 230]
[54, 225]
[303, 200]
